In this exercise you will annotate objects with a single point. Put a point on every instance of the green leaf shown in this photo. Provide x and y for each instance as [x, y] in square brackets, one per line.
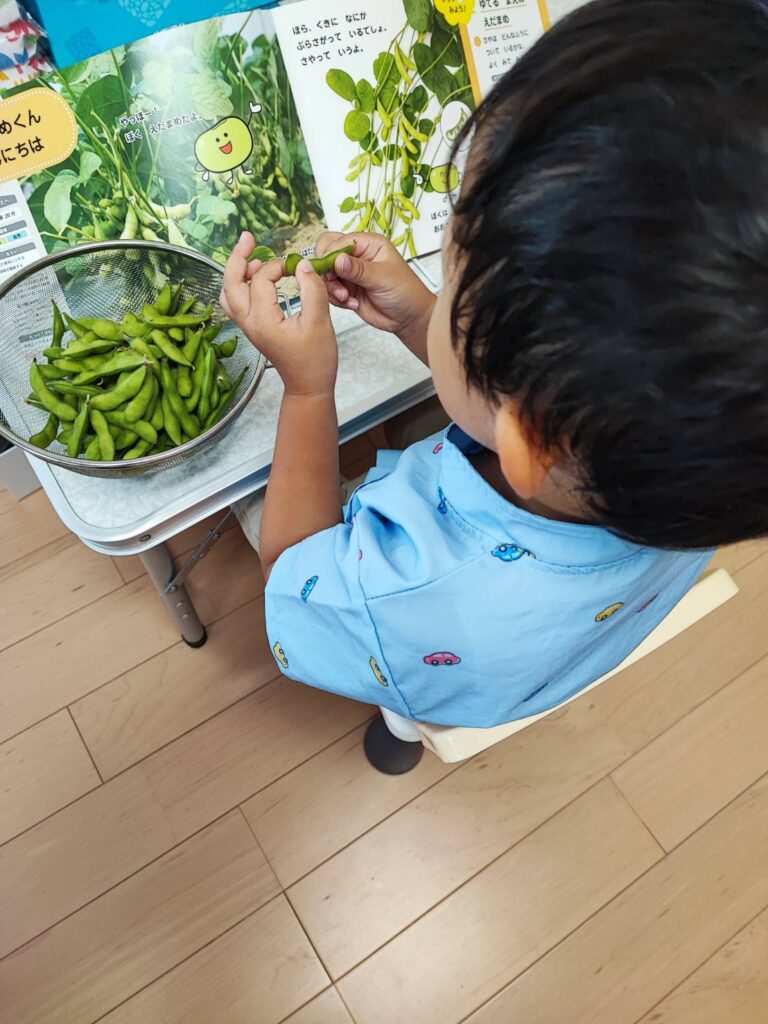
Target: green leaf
[209, 96]
[206, 40]
[366, 96]
[384, 68]
[103, 101]
[445, 41]
[58, 200]
[89, 163]
[426, 126]
[419, 14]
[356, 125]
[435, 76]
[348, 205]
[215, 209]
[342, 84]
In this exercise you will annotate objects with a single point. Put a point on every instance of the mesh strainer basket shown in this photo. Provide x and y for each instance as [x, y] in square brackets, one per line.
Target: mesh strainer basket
[105, 279]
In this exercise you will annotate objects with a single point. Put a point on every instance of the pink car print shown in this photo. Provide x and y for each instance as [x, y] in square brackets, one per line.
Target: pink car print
[442, 658]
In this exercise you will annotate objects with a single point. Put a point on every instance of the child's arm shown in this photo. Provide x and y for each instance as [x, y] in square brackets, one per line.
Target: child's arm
[377, 283]
[303, 492]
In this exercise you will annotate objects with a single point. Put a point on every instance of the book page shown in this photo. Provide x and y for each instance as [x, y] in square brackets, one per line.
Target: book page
[382, 88]
[497, 33]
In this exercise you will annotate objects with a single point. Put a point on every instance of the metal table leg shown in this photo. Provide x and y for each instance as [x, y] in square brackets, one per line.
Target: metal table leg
[159, 564]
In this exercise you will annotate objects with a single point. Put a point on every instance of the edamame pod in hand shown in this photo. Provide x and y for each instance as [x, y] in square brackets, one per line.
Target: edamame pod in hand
[322, 265]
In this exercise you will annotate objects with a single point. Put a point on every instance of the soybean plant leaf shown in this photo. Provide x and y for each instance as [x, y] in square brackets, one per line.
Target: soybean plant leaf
[418, 99]
[445, 43]
[422, 56]
[210, 96]
[206, 40]
[103, 101]
[57, 206]
[215, 209]
[342, 84]
[284, 157]
[365, 96]
[89, 163]
[348, 205]
[356, 125]
[419, 14]
[385, 69]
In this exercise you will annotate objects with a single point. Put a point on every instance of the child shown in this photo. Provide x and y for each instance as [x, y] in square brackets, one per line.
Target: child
[601, 344]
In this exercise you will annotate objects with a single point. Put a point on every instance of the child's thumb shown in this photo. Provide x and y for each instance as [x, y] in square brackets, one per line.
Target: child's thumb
[360, 272]
[315, 306]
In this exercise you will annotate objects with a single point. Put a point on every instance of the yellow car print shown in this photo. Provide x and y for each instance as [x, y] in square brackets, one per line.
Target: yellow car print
[609, 611]
[378, 673]
[280, 655]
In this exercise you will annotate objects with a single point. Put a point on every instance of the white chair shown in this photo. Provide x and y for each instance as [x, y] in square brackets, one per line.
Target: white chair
[394, 744]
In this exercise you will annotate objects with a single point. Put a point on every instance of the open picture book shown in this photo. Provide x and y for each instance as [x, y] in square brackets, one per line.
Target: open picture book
[282, 121]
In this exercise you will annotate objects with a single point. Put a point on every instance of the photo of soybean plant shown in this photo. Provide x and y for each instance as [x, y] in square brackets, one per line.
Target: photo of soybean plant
[142, 110]
[404, 118]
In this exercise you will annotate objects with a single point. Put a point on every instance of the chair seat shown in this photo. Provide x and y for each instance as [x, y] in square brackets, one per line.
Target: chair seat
[452, 744]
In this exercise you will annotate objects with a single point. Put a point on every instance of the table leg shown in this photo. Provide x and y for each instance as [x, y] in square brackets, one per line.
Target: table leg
[159, 564]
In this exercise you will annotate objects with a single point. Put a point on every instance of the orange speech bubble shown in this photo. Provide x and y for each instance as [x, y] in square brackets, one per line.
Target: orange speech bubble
[37, 130]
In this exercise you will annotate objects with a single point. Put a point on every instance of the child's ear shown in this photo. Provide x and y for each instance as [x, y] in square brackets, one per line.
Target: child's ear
[523, 461]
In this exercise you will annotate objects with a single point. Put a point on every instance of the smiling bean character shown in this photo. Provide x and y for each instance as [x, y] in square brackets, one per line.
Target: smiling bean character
[226, 146]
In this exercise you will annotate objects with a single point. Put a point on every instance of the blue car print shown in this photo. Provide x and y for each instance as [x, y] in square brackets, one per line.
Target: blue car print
[508, 552]
[308, 587]
[442, 508]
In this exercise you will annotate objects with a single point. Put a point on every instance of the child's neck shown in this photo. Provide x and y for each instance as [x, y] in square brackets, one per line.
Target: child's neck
[552, 502]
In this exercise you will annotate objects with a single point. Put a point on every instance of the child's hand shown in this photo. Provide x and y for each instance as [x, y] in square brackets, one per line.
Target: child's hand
[377, 283]
[302, 348]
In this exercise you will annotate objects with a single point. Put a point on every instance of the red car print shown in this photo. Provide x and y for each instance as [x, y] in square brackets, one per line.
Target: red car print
[647, 604]
[442, 658]
[437, 449]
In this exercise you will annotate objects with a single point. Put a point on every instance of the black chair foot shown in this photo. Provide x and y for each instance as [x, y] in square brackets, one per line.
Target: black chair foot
[387, 753]
[197, 643]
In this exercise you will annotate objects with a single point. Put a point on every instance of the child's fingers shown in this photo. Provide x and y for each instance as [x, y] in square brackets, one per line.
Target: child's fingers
[235, 290]
[263, 291]
[314, 295]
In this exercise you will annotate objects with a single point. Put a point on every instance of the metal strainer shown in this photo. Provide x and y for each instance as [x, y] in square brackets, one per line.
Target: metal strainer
[104, 279]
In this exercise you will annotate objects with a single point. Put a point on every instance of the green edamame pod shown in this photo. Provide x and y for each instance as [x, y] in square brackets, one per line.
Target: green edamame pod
[170, 422]
[121, 361]
[187, 306]
[64, 436]
[54, 352]
[184, 381]
[175, 296]
[105, 439]
[164, 299]
[321, 264]
[35, 403]
[50, 372]
[192, 344]
[140, 448]
[48, 399]
[75, 326]
[134, 327]
[185, 418]
[75, 442]
[47, 435]
[204, 406]
[292, 260]
[140, 345]
[180, 320]
[176, 334]
[226, 401]
[124, 439]
[120, 393]
[89, 345]
[157, 420]
[93, 450]
[63, 387]
[215, 394]
[106, 329]
[138, 405]
[140, 427]
[169, 349]
[221, 377]
[226, 349]
[211, 333]
[59, 327]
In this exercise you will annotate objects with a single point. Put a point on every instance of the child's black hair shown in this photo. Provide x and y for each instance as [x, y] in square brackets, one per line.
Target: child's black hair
[612, 244]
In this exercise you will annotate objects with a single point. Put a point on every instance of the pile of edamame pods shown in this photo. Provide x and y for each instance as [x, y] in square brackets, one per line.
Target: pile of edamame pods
[125, 390]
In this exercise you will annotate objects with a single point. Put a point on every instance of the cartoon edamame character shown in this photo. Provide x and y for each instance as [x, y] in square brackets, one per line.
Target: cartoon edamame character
[226, 146]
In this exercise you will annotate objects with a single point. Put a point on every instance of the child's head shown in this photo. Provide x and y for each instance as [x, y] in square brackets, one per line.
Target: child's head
[607, 270]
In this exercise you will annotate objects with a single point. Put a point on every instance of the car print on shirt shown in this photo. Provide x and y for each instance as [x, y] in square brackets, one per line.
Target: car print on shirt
[279, 653]
[442, 658]
[508, 552]
[380, 677]
[438, 448]
[442, 508]
[609, 611]
[308, 587]
[647, 604]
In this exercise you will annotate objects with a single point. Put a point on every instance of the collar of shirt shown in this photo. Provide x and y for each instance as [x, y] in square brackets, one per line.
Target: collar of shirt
[469, 496]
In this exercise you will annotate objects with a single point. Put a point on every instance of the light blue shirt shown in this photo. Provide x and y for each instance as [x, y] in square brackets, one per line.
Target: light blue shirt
[443, 602]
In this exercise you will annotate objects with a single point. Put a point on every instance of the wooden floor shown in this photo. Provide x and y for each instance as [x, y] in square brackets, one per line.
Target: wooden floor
[186, 839]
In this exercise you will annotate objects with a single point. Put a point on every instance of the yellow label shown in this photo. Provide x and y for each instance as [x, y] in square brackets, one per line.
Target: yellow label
[37, 130]
[457, 12]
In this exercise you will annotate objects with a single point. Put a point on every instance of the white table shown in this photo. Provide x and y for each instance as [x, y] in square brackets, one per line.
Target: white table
[378, 378]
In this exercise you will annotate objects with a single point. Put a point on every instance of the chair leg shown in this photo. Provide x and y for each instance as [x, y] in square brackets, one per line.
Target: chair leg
[387, 753]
